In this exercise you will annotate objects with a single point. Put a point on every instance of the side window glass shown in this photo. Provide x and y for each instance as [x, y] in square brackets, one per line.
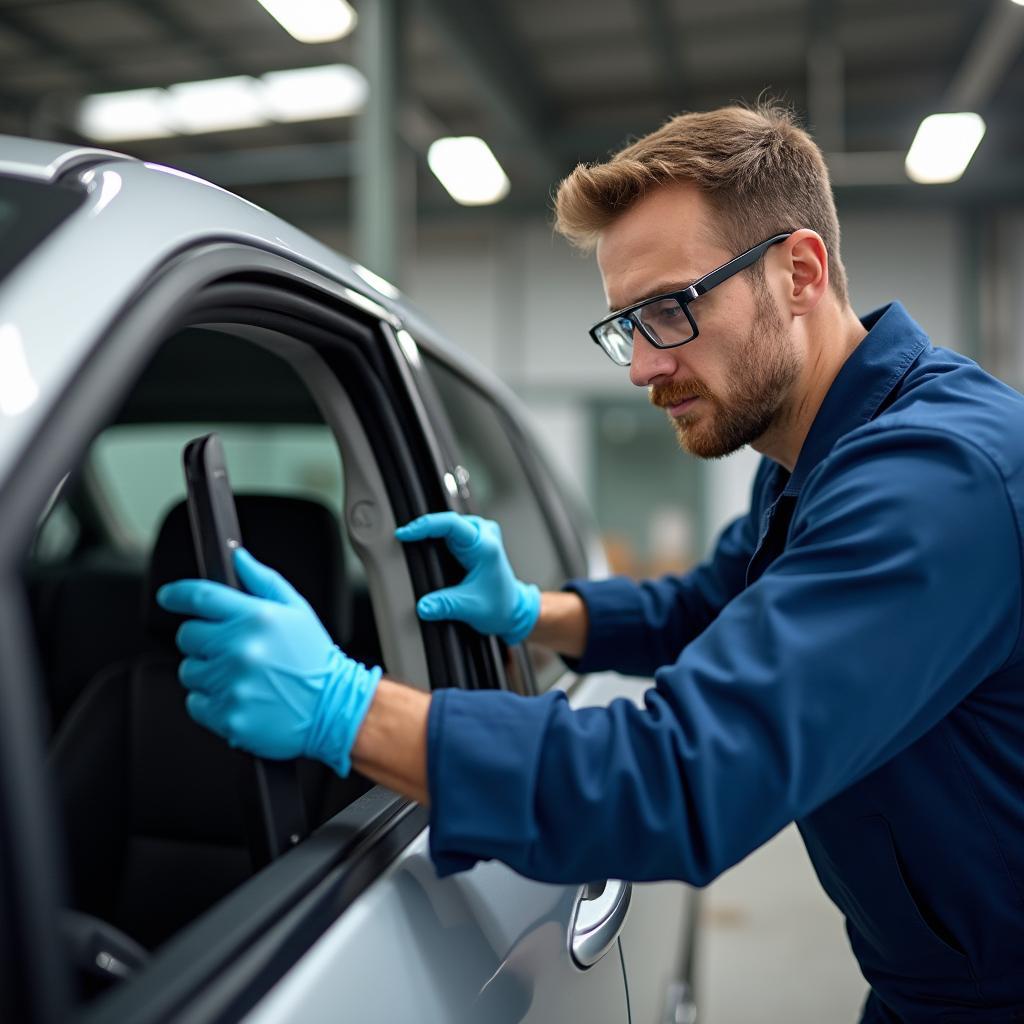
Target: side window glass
[502, 491]
[57, 536]
[137, 466]
[154, 807]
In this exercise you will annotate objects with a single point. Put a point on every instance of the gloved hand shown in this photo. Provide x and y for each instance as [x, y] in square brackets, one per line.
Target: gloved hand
[490, 598]
[262, 670]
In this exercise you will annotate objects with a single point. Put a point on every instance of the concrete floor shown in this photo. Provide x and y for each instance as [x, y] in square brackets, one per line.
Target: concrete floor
[774, 950]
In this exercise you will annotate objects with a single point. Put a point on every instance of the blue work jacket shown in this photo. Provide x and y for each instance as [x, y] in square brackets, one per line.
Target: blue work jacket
[849, 658]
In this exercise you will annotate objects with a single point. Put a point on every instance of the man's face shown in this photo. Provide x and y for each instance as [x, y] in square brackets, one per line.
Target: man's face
[730, 385]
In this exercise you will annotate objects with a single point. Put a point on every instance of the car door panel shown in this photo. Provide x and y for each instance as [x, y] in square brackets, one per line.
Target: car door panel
[658, 933]
[482, 946]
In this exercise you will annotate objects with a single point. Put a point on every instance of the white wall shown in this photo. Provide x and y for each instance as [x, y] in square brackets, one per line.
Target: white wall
[518, 299]
[912, 256]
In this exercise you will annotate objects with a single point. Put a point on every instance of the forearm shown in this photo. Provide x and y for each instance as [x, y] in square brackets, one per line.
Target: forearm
[562, 623]
[391, 746]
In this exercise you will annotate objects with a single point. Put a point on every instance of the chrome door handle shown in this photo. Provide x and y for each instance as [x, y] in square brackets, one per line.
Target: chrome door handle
[597, 920]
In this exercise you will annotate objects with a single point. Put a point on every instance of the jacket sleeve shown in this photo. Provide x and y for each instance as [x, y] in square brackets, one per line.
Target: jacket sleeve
[899, 592]
[636, 628]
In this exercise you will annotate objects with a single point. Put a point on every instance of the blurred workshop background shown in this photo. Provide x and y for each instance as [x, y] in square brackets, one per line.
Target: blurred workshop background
[424, 138]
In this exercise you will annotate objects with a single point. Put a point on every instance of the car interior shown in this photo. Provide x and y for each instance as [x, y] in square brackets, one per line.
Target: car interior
[150, 801]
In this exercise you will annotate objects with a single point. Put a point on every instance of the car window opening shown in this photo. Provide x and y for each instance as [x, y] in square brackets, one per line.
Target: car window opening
[149, 800]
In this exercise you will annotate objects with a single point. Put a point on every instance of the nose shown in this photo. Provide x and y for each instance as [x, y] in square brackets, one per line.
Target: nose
[649, 363]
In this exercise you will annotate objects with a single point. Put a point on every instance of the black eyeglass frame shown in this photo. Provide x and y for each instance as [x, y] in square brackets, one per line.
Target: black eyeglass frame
[685, 296]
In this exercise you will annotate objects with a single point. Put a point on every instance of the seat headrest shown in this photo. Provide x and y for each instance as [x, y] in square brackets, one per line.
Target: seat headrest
[298, 537]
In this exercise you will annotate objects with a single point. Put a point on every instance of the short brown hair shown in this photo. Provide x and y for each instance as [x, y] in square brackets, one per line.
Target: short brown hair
[760, 171]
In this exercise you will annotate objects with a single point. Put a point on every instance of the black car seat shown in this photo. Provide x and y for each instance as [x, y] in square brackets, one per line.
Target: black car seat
[86, 618]
[154, 829]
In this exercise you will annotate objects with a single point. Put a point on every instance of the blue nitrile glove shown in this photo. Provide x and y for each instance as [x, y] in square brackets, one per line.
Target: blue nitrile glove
[490, 598]
[262, 671]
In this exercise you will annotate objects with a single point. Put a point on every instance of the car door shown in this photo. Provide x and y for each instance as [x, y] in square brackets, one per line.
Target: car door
[352, 921]
[550, 538]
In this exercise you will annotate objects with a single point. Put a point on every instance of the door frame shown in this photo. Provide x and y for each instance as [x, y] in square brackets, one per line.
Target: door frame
[223, 962]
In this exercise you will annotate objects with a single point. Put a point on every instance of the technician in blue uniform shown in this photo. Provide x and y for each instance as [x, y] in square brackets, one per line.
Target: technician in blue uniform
[849, 658]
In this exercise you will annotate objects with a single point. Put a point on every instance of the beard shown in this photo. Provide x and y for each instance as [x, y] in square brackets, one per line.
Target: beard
[762, 379]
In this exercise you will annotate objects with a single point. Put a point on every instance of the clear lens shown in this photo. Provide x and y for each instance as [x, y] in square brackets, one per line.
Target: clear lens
[616, 338]
[666, 320]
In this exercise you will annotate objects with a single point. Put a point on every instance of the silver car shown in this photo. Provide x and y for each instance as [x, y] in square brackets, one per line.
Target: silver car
[148, 872]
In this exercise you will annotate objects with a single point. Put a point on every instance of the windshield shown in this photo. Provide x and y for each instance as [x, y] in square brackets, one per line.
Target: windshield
[29, 211]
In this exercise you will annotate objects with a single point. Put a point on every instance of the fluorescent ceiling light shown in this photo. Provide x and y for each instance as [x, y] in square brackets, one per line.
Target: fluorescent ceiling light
[305, 94]
[221, 104]
[217, 105]
[117, 116]
[468, 169]
[943, 147]
[312, 21]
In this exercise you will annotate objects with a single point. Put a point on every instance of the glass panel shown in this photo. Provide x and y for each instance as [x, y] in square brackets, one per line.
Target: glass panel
[666, 320]
[616, 338]
[29, 211]
[138, 467]
[151, 804]
[502, 491]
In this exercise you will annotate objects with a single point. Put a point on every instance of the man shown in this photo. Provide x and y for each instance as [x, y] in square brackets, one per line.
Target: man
[849, 658]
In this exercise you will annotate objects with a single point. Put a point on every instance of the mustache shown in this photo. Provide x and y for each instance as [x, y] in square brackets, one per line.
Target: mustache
[674, 392]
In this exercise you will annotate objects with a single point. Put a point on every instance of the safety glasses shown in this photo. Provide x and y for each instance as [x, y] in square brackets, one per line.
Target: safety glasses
[666, 321]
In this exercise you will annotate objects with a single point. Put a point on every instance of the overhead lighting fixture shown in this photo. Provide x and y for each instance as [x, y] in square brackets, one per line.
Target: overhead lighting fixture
[943, 147]
[216, 105]
[118, 116]
[305, 94]
[468, 170]
[312, 21]
[223, 104]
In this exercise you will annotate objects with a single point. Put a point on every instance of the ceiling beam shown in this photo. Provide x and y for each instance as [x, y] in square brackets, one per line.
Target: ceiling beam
[663, 42]
[92, 70]
[501, 70]
[991, 52]
[826, 101]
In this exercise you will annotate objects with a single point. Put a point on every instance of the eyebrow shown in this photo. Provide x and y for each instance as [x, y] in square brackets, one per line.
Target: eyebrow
[665, 288]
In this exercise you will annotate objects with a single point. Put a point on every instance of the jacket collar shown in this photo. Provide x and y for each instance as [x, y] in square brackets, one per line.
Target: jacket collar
[894, 340]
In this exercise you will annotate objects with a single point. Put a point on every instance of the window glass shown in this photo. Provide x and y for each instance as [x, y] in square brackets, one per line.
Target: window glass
[138, 467]
[29, 210]
[502, 491]
[57, 536]
[155, 809]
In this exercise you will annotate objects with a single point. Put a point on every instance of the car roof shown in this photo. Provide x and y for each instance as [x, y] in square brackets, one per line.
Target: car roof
[59, 301]
[46, 161]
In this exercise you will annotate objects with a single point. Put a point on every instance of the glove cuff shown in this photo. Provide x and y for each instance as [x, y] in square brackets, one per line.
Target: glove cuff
[344, 701]
[525, 613]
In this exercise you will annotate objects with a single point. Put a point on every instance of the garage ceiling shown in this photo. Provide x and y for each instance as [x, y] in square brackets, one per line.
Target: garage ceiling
[547, 84]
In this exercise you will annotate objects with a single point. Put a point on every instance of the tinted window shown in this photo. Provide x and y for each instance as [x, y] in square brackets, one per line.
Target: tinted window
[29, 211]
[502, 491]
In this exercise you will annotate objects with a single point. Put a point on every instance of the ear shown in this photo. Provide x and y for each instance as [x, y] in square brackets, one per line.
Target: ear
[805, 262]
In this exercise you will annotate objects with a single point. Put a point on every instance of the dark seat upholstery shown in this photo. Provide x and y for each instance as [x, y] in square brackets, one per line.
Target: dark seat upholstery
[86, 618]
[150, 808]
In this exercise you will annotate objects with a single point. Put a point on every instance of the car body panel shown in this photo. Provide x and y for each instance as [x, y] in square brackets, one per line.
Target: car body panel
[45, 338]
[47, 161]
[486, 944]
